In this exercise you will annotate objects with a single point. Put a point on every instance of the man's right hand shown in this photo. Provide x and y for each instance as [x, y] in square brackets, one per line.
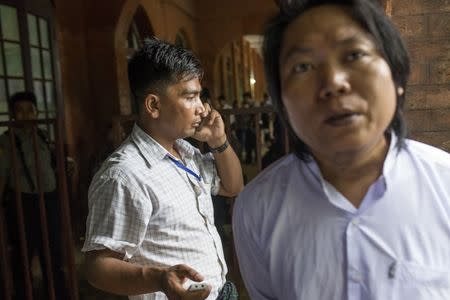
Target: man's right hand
[172, 280]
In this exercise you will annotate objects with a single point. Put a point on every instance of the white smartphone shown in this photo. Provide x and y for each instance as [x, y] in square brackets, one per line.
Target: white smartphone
[197, 287]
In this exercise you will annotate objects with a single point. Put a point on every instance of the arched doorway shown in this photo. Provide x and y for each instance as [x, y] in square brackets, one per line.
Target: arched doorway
[140, 28]
[133, 29]
[239, 69]
[182, 40]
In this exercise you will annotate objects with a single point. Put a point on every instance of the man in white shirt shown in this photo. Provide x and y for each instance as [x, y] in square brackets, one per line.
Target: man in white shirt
[358, 211]
[150, 230]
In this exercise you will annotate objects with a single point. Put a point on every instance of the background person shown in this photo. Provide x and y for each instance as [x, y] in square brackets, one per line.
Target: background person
[23, 108]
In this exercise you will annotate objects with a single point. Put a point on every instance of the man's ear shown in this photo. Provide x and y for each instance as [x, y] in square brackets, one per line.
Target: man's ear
[152, 105]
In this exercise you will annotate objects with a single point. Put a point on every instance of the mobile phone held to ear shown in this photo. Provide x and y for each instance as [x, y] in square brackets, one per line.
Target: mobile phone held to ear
[197, 287]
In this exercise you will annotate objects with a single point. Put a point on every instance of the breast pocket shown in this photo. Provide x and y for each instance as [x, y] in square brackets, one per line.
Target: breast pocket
[419, 282]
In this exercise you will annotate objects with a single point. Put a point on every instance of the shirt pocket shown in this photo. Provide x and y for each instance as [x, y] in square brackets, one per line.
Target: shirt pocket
[419, 282]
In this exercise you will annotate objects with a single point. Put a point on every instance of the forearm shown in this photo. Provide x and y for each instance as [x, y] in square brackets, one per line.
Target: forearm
[229, 170]
[116, 276]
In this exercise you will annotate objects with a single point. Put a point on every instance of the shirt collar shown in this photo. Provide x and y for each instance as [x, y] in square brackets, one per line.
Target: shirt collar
[153, 152]
[185, 149]
[391, 156]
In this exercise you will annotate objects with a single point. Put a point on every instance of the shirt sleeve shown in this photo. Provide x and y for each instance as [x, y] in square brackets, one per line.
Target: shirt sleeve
[119, 213]
[254, 269]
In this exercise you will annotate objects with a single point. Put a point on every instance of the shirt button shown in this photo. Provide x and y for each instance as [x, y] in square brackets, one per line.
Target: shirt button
[355, 221]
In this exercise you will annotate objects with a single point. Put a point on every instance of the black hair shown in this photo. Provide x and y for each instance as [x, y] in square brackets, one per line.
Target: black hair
[159, 64]
[22, 96]
[372, 18]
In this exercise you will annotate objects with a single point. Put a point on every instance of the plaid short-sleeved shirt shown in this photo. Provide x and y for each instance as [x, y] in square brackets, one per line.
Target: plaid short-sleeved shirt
[142, 205]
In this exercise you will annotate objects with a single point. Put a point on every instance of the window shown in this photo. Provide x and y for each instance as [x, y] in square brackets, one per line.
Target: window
[140, 28]
[41, 65]
[134, 39]
[181, 39]
[26, 35]
[12, 77]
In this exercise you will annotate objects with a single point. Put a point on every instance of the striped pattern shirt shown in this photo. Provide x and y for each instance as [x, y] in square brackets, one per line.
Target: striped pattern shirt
[143, 205]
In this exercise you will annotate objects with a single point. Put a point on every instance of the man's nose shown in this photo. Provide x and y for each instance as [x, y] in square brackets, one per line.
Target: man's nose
[200, 108]
[334, 81]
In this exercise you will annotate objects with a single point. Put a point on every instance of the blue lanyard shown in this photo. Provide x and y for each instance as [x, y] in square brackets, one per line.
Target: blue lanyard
[180, 165]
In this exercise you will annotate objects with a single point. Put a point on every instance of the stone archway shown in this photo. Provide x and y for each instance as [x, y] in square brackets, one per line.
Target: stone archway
[238, 68]
[143, 12]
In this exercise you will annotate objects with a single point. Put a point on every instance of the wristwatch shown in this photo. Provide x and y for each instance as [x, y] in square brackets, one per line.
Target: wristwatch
[221, 148]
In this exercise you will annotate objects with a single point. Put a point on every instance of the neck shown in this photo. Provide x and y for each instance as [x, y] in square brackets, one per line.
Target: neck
[352, 173]
[166, 142]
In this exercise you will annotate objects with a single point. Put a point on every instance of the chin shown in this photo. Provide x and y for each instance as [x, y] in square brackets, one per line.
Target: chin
[348, 143]
[189, 133]
[356, 146]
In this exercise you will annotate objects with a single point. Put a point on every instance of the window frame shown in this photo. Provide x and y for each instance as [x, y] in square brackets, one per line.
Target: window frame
[41, 9]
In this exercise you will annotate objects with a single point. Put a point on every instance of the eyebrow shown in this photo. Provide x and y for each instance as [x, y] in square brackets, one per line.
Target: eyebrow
[306, 50]
[189, 92]
[294, 51]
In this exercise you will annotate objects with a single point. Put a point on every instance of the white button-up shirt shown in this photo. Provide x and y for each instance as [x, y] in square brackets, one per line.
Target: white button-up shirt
[143, 205]
[297, 237]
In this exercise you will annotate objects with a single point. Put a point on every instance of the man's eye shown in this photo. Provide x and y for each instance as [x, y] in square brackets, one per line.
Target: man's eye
[301, 67]
[355, 55]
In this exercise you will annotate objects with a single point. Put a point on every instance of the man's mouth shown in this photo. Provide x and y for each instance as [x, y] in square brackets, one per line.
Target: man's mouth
[198, 125]
[341, 119]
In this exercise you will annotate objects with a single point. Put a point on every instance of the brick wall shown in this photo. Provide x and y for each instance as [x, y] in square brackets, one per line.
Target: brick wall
[425, 25]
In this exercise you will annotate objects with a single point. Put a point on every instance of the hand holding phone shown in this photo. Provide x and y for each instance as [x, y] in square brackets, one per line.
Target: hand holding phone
[197, 287]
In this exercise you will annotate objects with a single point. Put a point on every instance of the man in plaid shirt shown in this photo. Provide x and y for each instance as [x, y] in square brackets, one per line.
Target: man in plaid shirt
[150, 230]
